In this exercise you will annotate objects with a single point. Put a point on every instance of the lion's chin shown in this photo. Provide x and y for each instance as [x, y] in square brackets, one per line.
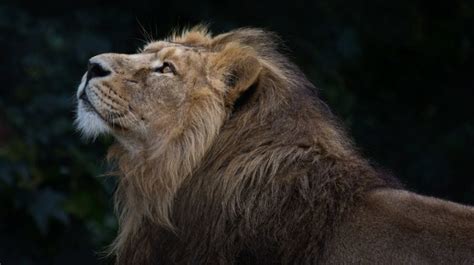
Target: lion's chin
[89, 122]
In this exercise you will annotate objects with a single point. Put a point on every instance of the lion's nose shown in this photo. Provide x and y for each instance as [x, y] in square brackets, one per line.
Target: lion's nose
[96, 69]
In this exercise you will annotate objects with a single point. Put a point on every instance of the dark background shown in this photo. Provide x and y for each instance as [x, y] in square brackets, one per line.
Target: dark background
[398, 73]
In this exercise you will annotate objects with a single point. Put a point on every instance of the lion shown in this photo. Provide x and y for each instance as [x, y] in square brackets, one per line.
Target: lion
[225, 154]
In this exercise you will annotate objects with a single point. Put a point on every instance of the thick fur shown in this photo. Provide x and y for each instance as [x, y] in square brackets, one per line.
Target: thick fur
[252, 168]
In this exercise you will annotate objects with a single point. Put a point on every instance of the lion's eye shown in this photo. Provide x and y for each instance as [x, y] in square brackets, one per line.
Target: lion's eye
[166, 68]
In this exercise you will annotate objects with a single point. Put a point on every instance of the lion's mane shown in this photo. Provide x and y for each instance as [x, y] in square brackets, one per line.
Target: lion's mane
[276, 168]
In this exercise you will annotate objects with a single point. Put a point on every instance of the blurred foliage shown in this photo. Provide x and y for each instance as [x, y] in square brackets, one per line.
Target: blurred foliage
[398, 73]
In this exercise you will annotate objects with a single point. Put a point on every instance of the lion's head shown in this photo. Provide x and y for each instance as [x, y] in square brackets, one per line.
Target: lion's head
[197, 103]
[167, 88]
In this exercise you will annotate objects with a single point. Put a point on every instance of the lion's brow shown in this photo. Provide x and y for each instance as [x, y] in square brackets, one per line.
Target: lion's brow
[184, 46]
[188, 45]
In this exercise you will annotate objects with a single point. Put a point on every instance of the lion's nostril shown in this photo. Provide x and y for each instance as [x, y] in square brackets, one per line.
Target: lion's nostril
[96, 70]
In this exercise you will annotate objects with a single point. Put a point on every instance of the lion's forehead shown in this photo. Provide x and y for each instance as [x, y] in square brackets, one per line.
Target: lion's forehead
[158, 46]
[155, 46]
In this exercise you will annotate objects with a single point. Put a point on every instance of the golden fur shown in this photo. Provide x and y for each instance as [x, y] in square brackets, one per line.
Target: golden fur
[229, 157]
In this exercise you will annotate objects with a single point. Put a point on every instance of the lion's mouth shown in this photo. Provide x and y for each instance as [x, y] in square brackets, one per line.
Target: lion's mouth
[88, 106]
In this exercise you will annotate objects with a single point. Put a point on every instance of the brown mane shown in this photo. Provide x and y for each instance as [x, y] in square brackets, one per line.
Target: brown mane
[219, 186]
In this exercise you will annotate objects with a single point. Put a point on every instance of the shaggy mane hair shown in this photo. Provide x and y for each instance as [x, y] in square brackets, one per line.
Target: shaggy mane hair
[264, 178]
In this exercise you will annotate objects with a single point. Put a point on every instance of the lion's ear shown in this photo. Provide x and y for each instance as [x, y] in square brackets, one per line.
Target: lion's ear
[238, 68]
